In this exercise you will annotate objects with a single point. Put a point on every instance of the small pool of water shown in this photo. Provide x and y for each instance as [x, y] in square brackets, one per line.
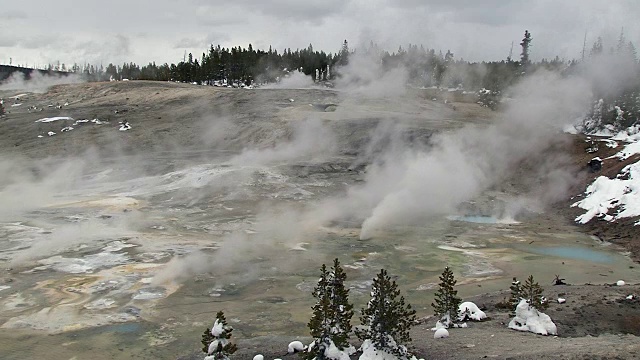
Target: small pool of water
[571, 252]
[475, 219]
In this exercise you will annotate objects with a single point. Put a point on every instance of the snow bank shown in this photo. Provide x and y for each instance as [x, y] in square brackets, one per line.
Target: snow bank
[295, 346]
[52, 119]
[369, 352]
[470, 311]
[529, 319]
[332, 352]
[604, 194]
[441, 333]
[628, 151]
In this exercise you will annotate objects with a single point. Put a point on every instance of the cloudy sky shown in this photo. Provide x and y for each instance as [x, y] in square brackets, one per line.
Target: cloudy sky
[42, 31]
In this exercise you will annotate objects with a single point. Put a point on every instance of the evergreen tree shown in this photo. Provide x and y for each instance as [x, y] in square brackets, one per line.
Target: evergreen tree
[597, 47]
[532, 292]
[343, 57]
[447, 301]
[526, 44]
[516, 294]
[215, 341]
[387, 319]
[332, 313]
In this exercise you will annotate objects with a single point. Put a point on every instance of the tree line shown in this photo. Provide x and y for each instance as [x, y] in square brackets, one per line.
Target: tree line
[245, 66]
[616, 100]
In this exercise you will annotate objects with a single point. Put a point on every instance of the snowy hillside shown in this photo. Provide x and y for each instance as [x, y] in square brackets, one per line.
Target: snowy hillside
[611, 199]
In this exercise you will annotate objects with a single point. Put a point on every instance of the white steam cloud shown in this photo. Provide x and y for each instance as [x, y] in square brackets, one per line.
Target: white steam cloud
[294, 80]
[38, 82]
[365, 76]
[464, 163]
[310, 139]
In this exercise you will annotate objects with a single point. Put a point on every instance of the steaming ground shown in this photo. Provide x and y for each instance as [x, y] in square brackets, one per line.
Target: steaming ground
[128, 242]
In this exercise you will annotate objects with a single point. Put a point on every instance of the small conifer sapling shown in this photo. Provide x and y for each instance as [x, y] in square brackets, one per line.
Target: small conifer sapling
[216, 342]
[447, 302]
[532, 292]
[516, 295]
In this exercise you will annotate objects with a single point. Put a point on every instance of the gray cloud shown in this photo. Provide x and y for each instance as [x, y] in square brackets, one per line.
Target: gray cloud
[219, 15]
[295, 9]
[201, 43]
[7, 41]
[474, 30]
[13, 15]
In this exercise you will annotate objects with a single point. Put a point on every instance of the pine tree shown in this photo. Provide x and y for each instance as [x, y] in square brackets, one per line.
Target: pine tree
[332, 313]
[343, 56]
[526, 44]
[532, 292]
[215, 341]
[516, 293]
[387, 319]
[447, 301]
[343, 311]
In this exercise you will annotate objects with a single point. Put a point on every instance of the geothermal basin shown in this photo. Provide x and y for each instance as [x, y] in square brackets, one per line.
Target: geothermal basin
[130, 253]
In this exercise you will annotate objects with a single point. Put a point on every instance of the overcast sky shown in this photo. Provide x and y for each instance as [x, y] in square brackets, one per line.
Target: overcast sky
[42, 31]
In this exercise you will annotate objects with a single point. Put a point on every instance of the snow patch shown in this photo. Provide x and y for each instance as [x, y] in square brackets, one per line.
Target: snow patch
[295, 346]
[369, 352]
[620, 283]
[52, 119]
[217, 329]
[470, 311]
[604, 194]
[441, 333]
[529, 319]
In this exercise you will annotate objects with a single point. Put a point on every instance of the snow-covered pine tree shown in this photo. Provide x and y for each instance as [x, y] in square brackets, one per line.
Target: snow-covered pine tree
[216, 342]
[387, 319]
[332, 313]
[532, 292]
[516, 294]
[447, 300]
